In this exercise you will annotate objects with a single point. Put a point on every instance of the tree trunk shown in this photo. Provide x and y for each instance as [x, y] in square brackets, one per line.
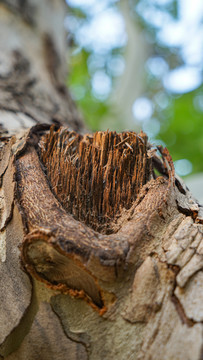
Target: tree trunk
[100, 258]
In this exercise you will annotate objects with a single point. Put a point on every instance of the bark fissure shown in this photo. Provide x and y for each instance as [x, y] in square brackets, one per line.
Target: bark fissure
[8, 218]
[181, 312]
[177, 303]
[187, 212]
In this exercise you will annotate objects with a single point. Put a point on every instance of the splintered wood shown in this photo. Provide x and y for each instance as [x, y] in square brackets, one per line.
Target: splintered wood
[95, 176]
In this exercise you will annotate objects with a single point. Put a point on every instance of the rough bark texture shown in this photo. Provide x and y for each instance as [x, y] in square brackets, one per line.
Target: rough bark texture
[100, 258]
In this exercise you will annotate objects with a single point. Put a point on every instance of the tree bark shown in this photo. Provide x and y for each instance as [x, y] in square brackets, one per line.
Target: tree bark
[100, 258]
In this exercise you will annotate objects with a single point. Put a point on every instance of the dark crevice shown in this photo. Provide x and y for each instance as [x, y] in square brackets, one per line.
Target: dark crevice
[159, 166]
[187, 212]
[179, 186]
[9, 217]
[178, 306]
[3, 173]
[181, 312]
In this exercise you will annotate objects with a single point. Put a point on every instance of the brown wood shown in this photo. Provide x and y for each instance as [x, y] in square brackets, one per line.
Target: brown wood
[94, 177]
[101, 244]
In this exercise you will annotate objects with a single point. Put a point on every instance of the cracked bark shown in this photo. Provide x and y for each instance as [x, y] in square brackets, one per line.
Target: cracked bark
[99, 258]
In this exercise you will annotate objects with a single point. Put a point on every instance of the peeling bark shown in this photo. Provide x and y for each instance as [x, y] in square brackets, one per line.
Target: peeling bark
[99, 257]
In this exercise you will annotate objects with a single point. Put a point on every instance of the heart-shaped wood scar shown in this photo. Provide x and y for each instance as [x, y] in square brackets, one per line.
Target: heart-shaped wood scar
[96, 176]
[88, 203]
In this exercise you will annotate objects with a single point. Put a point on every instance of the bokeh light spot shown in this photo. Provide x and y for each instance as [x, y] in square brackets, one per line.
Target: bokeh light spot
[183, 167]
[156, 66]
[142, 109]
[151, 127]
[182, 80]
[101, 85]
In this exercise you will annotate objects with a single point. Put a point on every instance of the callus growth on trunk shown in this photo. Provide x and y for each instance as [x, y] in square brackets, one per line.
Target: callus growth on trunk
[80, 197]
[84, 200]
[95, 215]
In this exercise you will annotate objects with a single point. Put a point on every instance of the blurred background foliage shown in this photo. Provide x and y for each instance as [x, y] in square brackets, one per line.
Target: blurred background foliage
[139, 65]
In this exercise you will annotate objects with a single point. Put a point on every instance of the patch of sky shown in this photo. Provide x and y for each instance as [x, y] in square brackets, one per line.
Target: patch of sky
[151, 127]
[95, 62]
[142, 109]
[116, 65]
[101, 85]
[162, 100]
[103, 29]
[151, 15]
[183, 167]
[158, 142]
[91, 7]
[184, 32]
[183, 79]
[102, 32]
[157, 66]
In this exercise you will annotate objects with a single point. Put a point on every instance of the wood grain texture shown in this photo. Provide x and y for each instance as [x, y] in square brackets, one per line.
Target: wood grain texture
[96, 176]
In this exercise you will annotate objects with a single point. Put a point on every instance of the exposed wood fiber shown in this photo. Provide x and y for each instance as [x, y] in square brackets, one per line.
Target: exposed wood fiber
[95, 176]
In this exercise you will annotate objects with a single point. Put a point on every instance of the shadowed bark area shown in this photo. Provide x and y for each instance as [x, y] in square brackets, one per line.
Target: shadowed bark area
[100, 257]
